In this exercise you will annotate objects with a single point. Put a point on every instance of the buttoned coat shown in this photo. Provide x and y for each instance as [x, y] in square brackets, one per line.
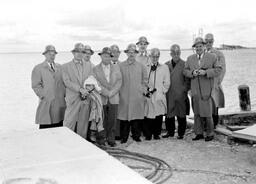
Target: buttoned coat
[109, 90]
[218, 93]
[177, 95]
[77, 109]
[132, 101]
[202, 86]
[49, 87]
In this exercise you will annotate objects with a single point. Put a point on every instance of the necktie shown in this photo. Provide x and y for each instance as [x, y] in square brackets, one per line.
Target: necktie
[199, 60]
[51, 64]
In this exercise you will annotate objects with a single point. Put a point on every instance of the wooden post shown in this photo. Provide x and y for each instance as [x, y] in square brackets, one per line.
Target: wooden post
[244, 98]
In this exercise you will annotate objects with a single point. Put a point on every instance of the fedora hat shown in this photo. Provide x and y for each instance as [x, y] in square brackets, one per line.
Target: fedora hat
[209, 36]
[131, 47]
[114, 48]
[142, 39]
[198, 40]
[88, 48]
[106, 50]
[49, 48]
[79, 47]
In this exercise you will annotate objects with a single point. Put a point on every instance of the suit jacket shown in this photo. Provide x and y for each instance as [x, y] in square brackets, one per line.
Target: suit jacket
[73, 82]
[110, 90]
[177, 95]
[202, 86]
[49, 87]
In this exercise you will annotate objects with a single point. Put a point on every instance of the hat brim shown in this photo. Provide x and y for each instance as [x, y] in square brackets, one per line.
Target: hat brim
[49, 51]
[144, 42]
[92, 52]
[76, 50]
[198, 43]
[111, 55]
[125, 51]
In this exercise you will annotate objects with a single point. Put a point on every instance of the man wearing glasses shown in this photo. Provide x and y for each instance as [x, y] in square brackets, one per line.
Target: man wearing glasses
[201, 68]
[218, 94]
[74, 74]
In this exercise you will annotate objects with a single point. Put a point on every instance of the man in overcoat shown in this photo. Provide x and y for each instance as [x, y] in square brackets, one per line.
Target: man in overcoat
[218, 93]
[88, 52]
[142, 57]
[132, 102]
[177, 95]
[48, 85]
[109, 78]
[201, 68]
[75, 73]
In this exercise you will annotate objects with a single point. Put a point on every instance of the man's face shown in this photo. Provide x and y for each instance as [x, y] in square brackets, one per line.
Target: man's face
[199, 48]
[115, 54]
[142, 46]
[155, 58]
[175, 55]
[87, 55]
[106, 58]
[78, 55]
[131, 54]
[50, 56]
[209, 43]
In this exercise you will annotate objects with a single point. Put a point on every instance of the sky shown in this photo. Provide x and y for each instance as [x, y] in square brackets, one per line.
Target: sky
[30, 25]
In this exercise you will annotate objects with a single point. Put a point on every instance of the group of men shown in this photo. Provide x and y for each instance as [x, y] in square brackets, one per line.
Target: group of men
[114, 98]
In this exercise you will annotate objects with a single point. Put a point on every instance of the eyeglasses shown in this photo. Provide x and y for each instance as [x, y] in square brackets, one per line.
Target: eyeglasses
[155, 57]
[209, 41]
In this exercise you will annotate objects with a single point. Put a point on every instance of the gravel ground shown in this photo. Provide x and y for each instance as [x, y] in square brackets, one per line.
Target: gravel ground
[199, 162]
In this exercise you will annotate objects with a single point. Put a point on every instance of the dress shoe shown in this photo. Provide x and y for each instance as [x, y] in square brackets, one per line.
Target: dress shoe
[180, 137]
[156, 137]
[198, 137]
[123, 141]
[112, 144]
[209, 138]
[148, 138]
[117, 138]
[167, 135]
[137, 139]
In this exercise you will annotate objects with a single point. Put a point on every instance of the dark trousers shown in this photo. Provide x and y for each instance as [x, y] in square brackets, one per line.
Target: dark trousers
[170, 125]
[152, 126]
[109, 123]
[125, 127]
[60, 124]
[215, 117]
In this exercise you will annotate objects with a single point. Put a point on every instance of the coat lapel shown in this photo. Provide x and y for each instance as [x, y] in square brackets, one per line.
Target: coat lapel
[75, 71]
[101, 75]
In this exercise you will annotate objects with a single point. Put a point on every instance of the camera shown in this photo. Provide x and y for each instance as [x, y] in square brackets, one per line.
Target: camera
[149, 92]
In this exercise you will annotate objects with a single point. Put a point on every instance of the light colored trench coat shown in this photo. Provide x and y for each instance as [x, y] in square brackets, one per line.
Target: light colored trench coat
[131, 104]
[49, 87]
[218, 94]
[177, 95]
[156, 104]
[202, 86]
[77, 110]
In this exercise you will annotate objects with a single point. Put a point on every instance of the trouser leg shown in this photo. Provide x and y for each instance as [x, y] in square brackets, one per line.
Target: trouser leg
[182, 125]
[198, 125]
[157, 125]
[135, 128]
[112, 122]
[147, 127]
[209, 126]
[215, 117]
[170, 125]
[124, 130]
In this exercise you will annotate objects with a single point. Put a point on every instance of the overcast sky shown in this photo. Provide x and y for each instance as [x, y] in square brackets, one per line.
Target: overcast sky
[29, 25]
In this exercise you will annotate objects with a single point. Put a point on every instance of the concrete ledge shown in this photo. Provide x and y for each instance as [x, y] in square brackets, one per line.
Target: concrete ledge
[59, 156]
[245, 118]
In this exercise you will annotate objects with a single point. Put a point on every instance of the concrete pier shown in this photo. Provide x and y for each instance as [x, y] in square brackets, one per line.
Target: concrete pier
[59, 156]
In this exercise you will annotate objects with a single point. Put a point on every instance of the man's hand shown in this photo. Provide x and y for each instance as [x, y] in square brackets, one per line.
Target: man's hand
[83, 92]
[201, 72]
[195, 73]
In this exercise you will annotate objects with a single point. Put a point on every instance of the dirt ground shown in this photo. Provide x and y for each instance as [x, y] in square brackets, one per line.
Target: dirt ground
[200, 162]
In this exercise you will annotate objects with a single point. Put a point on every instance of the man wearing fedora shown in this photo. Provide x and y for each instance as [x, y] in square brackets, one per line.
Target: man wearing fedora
[110, 80]
[88, 52]
[75, 73]
[131, 105]
[48, 85]
[201, 68]
[218, 94]
[142, 56]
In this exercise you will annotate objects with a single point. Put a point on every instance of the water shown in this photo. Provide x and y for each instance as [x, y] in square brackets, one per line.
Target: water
[18, 102]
